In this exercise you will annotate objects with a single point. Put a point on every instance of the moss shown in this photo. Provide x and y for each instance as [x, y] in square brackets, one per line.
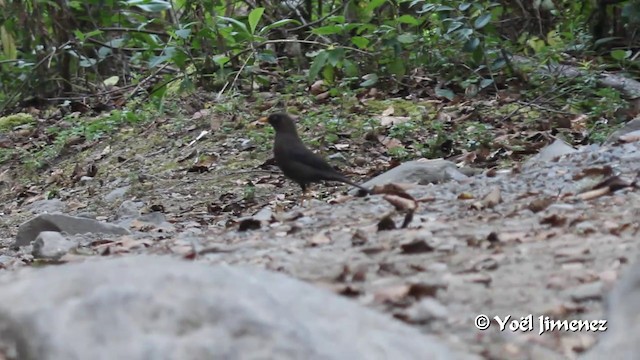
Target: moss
[11, 121]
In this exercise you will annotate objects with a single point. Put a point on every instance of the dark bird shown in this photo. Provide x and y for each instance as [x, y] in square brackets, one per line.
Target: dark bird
[296, 161]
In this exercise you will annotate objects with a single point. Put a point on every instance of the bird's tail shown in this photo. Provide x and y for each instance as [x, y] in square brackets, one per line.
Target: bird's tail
[362, 188]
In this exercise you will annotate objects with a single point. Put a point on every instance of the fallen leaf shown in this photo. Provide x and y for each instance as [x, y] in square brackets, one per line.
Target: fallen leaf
[388, 111]
[401, 203]
[554, 220]
[317, 87]
[319, 239]
[359, 238]
[391, 294]
[249, 224]
[416, 247]
[386, 223]
[392, 120]
[540, 204]
[492, 199]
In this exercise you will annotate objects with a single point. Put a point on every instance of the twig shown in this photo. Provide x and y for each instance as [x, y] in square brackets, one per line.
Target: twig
[544, 108]
[142, 31]
[236, 77]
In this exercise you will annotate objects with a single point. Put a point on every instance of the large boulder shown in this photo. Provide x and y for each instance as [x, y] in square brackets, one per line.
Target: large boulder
[145, 307]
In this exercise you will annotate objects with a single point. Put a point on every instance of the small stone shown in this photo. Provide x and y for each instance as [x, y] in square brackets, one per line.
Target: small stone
[51, 245]
[116, 194]
[586, 292]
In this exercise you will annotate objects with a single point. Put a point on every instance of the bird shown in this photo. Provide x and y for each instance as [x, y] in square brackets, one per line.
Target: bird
[296, 161]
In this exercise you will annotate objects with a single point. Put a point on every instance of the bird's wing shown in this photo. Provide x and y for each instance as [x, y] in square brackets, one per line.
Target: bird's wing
[305, 156]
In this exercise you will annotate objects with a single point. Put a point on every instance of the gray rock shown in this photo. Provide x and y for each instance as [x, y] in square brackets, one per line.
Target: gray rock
[129, 209]
[155, 220]
[420, 172]
[29, 230]
[163, 308]
[47, 206]
[425, 310]
[622, 338]
[116, 194]
[550, 153]
[631, 126]
[51, 245]
[585, 292]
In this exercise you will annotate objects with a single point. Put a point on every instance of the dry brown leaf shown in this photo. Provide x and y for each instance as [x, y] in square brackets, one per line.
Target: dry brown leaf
[359, 238]
[391, 294]
[540, 204]
[249, 224]
[317, 87]
[141, 226]
[630, 137]
[493, 198]
[56, 177]
[594, 172]
[392, 120]
[416, 247]
[393, 189]
[401, 203]
[386, 223]
[466, 196]
[554, 220]
[323, 96]
[389, 142]
[320, 238]
[388, 111]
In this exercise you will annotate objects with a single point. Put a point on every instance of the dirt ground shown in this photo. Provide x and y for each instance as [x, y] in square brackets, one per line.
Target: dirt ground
[515, 243]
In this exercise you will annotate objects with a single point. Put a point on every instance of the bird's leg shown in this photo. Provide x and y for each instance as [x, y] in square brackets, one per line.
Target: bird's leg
[304, 194]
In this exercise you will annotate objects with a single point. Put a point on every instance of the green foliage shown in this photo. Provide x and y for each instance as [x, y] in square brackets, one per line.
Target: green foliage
[91, 129]
[11, 121]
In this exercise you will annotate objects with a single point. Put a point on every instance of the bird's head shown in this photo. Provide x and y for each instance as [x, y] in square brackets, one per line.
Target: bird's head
[281, 122]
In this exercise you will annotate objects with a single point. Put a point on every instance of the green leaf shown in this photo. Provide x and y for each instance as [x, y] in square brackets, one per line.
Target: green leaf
[150, 6]
[453, 26]
[408, 19]
[220, 59]
[267, 57]
[350, 68]
[374, 4]
[239, 24]
[369, 80]
[117, 43]
[471, 45]
[103, 52]
[620, 55]
[278, 24]
[183, 33]
[328, 73]
[464, 6]
[327, 30]
[604, 41]
[498, 64]
[111, 81]
[445, 93]
[482, 21]
[157, 60]
[485, 82]
[335, 56]
[443, 8]
[254, 18]
[87, 62]
[397, 68]
[318, 62]
[360, 42]
[78, 34]
[406, 38]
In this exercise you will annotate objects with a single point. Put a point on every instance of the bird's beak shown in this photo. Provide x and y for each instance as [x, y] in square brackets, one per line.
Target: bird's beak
[263, 120]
